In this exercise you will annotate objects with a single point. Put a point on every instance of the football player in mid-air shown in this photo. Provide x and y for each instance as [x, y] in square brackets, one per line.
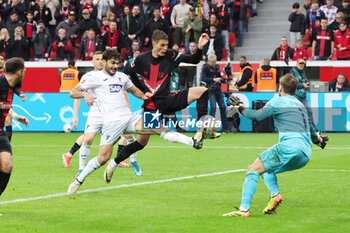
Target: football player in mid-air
[292, 152]
[8, 83]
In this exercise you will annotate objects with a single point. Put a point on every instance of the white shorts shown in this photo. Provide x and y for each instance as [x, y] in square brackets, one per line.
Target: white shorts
[113, 130]
[93, 124]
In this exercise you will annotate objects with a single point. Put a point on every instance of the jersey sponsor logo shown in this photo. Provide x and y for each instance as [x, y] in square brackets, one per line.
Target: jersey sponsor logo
[266, 76]
[319, 37]
[115, 88]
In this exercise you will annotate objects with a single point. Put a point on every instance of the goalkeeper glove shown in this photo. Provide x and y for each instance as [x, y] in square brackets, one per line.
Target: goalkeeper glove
[236, 103]
[321, 140]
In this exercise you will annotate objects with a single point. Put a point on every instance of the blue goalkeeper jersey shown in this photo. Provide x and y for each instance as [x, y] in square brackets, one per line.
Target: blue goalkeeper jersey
[291, 119]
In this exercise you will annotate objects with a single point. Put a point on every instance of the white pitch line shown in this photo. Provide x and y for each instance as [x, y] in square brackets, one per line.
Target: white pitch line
[182, 147]
[150, 182]
[121, 186]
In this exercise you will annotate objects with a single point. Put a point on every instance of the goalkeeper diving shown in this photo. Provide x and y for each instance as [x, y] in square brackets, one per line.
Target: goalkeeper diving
[293, 150]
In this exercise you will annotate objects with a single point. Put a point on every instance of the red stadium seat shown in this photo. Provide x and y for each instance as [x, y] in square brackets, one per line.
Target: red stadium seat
[232, 39]
[224, 54]
[309, 54]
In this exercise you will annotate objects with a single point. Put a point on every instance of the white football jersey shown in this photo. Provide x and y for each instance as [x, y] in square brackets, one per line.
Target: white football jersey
[109, 93]
[94, 110]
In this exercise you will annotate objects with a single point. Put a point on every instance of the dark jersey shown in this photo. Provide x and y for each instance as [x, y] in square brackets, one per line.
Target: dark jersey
[323, 42]
[6, 98]
[155, 74]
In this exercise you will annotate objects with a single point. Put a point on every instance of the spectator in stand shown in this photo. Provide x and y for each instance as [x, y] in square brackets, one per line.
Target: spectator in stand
[342, 42]
[213, 20]
[103, 7]
[345, 9]
[89, 45]
[111, 17]
[146, 10]
[52, 5]
[339, 84]
[212, 77]
[14, 6]
[329, 10]
[215, 45]
[62, 11]
[165, 11]
[238, 16]
[125, 20]
[71, 28]
[178, 16]
[87, 23]
[323, 42]
[246, 81]
[313, 19]
[284, 52]
[89, 5]
[300, 51]
[18, 46]
[4, 42]
[2, 25]
[339, 17]
[305, 8]
[156, 23]
[62, 46]
[112, 39]
[136, 26]
[42, 13]
[192, 28]
[135, 47]
[29, 27]
[12, 23]
[297, 25]
[42, 42]
[105, 26]
[191, 70]
[222, 12]
[203, 9]
[266, 77]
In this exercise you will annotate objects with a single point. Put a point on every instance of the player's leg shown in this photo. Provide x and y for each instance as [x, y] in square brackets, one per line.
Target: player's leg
[84, 151]
[121, 144]
[249, 188]
[5, 169]
[8, 126]
[201, 95]
[66, 157]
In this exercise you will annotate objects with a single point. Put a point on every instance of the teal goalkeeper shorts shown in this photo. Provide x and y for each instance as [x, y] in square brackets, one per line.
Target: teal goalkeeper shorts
[283, 157]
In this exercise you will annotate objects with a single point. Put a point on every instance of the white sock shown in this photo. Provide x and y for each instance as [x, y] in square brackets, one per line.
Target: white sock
[92, 165]
[83, 156]
[172, 136]
[133, 156]
[113, 163]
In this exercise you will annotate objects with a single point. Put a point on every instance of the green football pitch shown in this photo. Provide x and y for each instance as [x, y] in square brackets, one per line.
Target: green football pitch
[181, 190]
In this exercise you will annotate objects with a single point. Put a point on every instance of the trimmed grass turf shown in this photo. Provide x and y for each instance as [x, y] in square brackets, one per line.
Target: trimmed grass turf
[315, 201]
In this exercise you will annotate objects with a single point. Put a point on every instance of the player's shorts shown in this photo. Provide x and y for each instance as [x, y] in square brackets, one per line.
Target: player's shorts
[113, 130]
[173, 103]
[5, 143]
[93, 124]
[283, 157]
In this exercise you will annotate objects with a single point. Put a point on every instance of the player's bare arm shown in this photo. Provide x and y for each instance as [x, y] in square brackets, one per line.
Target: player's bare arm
[76, 112]
[139, 94]
[19, 118]
[78, 93]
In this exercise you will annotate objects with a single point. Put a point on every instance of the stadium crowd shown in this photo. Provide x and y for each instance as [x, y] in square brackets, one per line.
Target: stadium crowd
[73, 29]
[319, 30]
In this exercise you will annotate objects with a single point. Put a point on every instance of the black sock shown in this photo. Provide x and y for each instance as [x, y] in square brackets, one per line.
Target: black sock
[9, 132]
[120, 148]
[74, 149]
[127, 151]
[202, 105]
[4, 179]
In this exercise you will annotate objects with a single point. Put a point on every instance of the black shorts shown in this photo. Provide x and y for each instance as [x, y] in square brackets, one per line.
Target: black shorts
[174, 102]
[5, 143]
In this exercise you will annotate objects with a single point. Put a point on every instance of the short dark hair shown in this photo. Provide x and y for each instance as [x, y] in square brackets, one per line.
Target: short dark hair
[98, 52]
[159, 35]
[243, 57]
[344, 23]
[296, 5]
[71, 63]
[14, 64]
[110, 54]
[289, 83]
[341, 74]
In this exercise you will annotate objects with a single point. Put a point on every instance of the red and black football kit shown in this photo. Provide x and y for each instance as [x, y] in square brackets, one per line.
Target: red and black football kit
[323, 40]
[6, 98]
[155, 74]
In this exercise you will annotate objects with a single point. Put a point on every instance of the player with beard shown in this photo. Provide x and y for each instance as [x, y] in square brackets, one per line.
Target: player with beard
[8, 120]
[8, 83]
